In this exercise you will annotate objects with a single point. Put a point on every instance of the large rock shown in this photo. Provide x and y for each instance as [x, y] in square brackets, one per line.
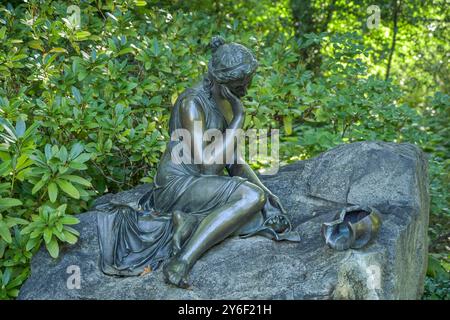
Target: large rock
[390, 177]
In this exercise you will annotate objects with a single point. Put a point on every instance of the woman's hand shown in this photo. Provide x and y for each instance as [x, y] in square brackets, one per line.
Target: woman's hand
[235, 102]
[275, 202]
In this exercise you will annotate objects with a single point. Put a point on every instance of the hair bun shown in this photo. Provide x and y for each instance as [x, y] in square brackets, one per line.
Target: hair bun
[216, 42]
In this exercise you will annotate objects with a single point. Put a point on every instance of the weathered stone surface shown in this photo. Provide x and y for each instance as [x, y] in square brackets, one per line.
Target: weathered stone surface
[390, 177]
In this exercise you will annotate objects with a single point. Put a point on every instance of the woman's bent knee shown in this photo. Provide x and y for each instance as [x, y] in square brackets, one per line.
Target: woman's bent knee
[252, 195]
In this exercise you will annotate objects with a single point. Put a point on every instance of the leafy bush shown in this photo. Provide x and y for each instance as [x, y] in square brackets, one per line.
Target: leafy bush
[84, 105]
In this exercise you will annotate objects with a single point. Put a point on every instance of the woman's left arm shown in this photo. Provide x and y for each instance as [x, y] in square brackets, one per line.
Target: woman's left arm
[243, 170]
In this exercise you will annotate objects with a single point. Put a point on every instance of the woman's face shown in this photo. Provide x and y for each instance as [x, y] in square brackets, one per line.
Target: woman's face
[239, 87]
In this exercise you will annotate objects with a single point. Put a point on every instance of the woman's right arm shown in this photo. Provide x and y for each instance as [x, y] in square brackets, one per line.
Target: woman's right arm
[193, 120]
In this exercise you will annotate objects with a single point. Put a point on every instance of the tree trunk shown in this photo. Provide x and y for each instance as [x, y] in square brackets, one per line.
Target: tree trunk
[396, 5]
[305, 21]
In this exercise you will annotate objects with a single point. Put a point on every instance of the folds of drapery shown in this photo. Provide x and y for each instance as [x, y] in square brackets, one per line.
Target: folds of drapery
[131, 240]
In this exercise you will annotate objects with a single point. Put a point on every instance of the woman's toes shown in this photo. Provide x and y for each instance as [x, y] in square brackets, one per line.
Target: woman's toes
[184, 284]
[175, 272]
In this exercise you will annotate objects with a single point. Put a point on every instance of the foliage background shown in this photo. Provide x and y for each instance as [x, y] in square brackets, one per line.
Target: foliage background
[84, 106]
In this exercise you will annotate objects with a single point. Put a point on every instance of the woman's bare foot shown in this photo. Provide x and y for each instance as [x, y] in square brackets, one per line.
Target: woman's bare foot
[184, 226]
[176, 272]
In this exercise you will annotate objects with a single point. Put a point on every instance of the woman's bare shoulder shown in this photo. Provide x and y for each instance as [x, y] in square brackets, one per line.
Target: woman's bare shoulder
[190, 108]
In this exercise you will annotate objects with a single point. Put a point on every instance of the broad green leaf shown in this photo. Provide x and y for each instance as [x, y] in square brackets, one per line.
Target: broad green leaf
[62, 208]
[13, 293]
[53, 247]
[23, 162]
[83, 158]
[55, 150]
[58, 50]
[39, 185]
[76, 179]
[63, 154]
[68, 188]
[20, 128]
[18, 57]
[12, 221]
[2, 32]
[32, 243]
[9, 202]
[8, 128]
[71, 230]
[112, 16]
[77, 95]
[3, 245]
[76, 150]
[4, 232]
[70, 238]
[155, 46]
[48, 151]
[16, 281]
[77, 166]
[50, 58]
[140, 3]
[36, 233]
[62, 169]
[52, 191]
[69, 220]
[6, 276]
[47, 235]
[125, 51]
[287, 122]
[82, 35]
[5, 168]
[59, 235]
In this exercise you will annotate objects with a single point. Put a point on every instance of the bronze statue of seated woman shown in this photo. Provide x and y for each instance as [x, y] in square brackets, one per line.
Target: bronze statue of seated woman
[194, 205]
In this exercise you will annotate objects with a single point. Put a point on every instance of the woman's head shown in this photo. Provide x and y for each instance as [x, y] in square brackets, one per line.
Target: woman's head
[232, 65]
